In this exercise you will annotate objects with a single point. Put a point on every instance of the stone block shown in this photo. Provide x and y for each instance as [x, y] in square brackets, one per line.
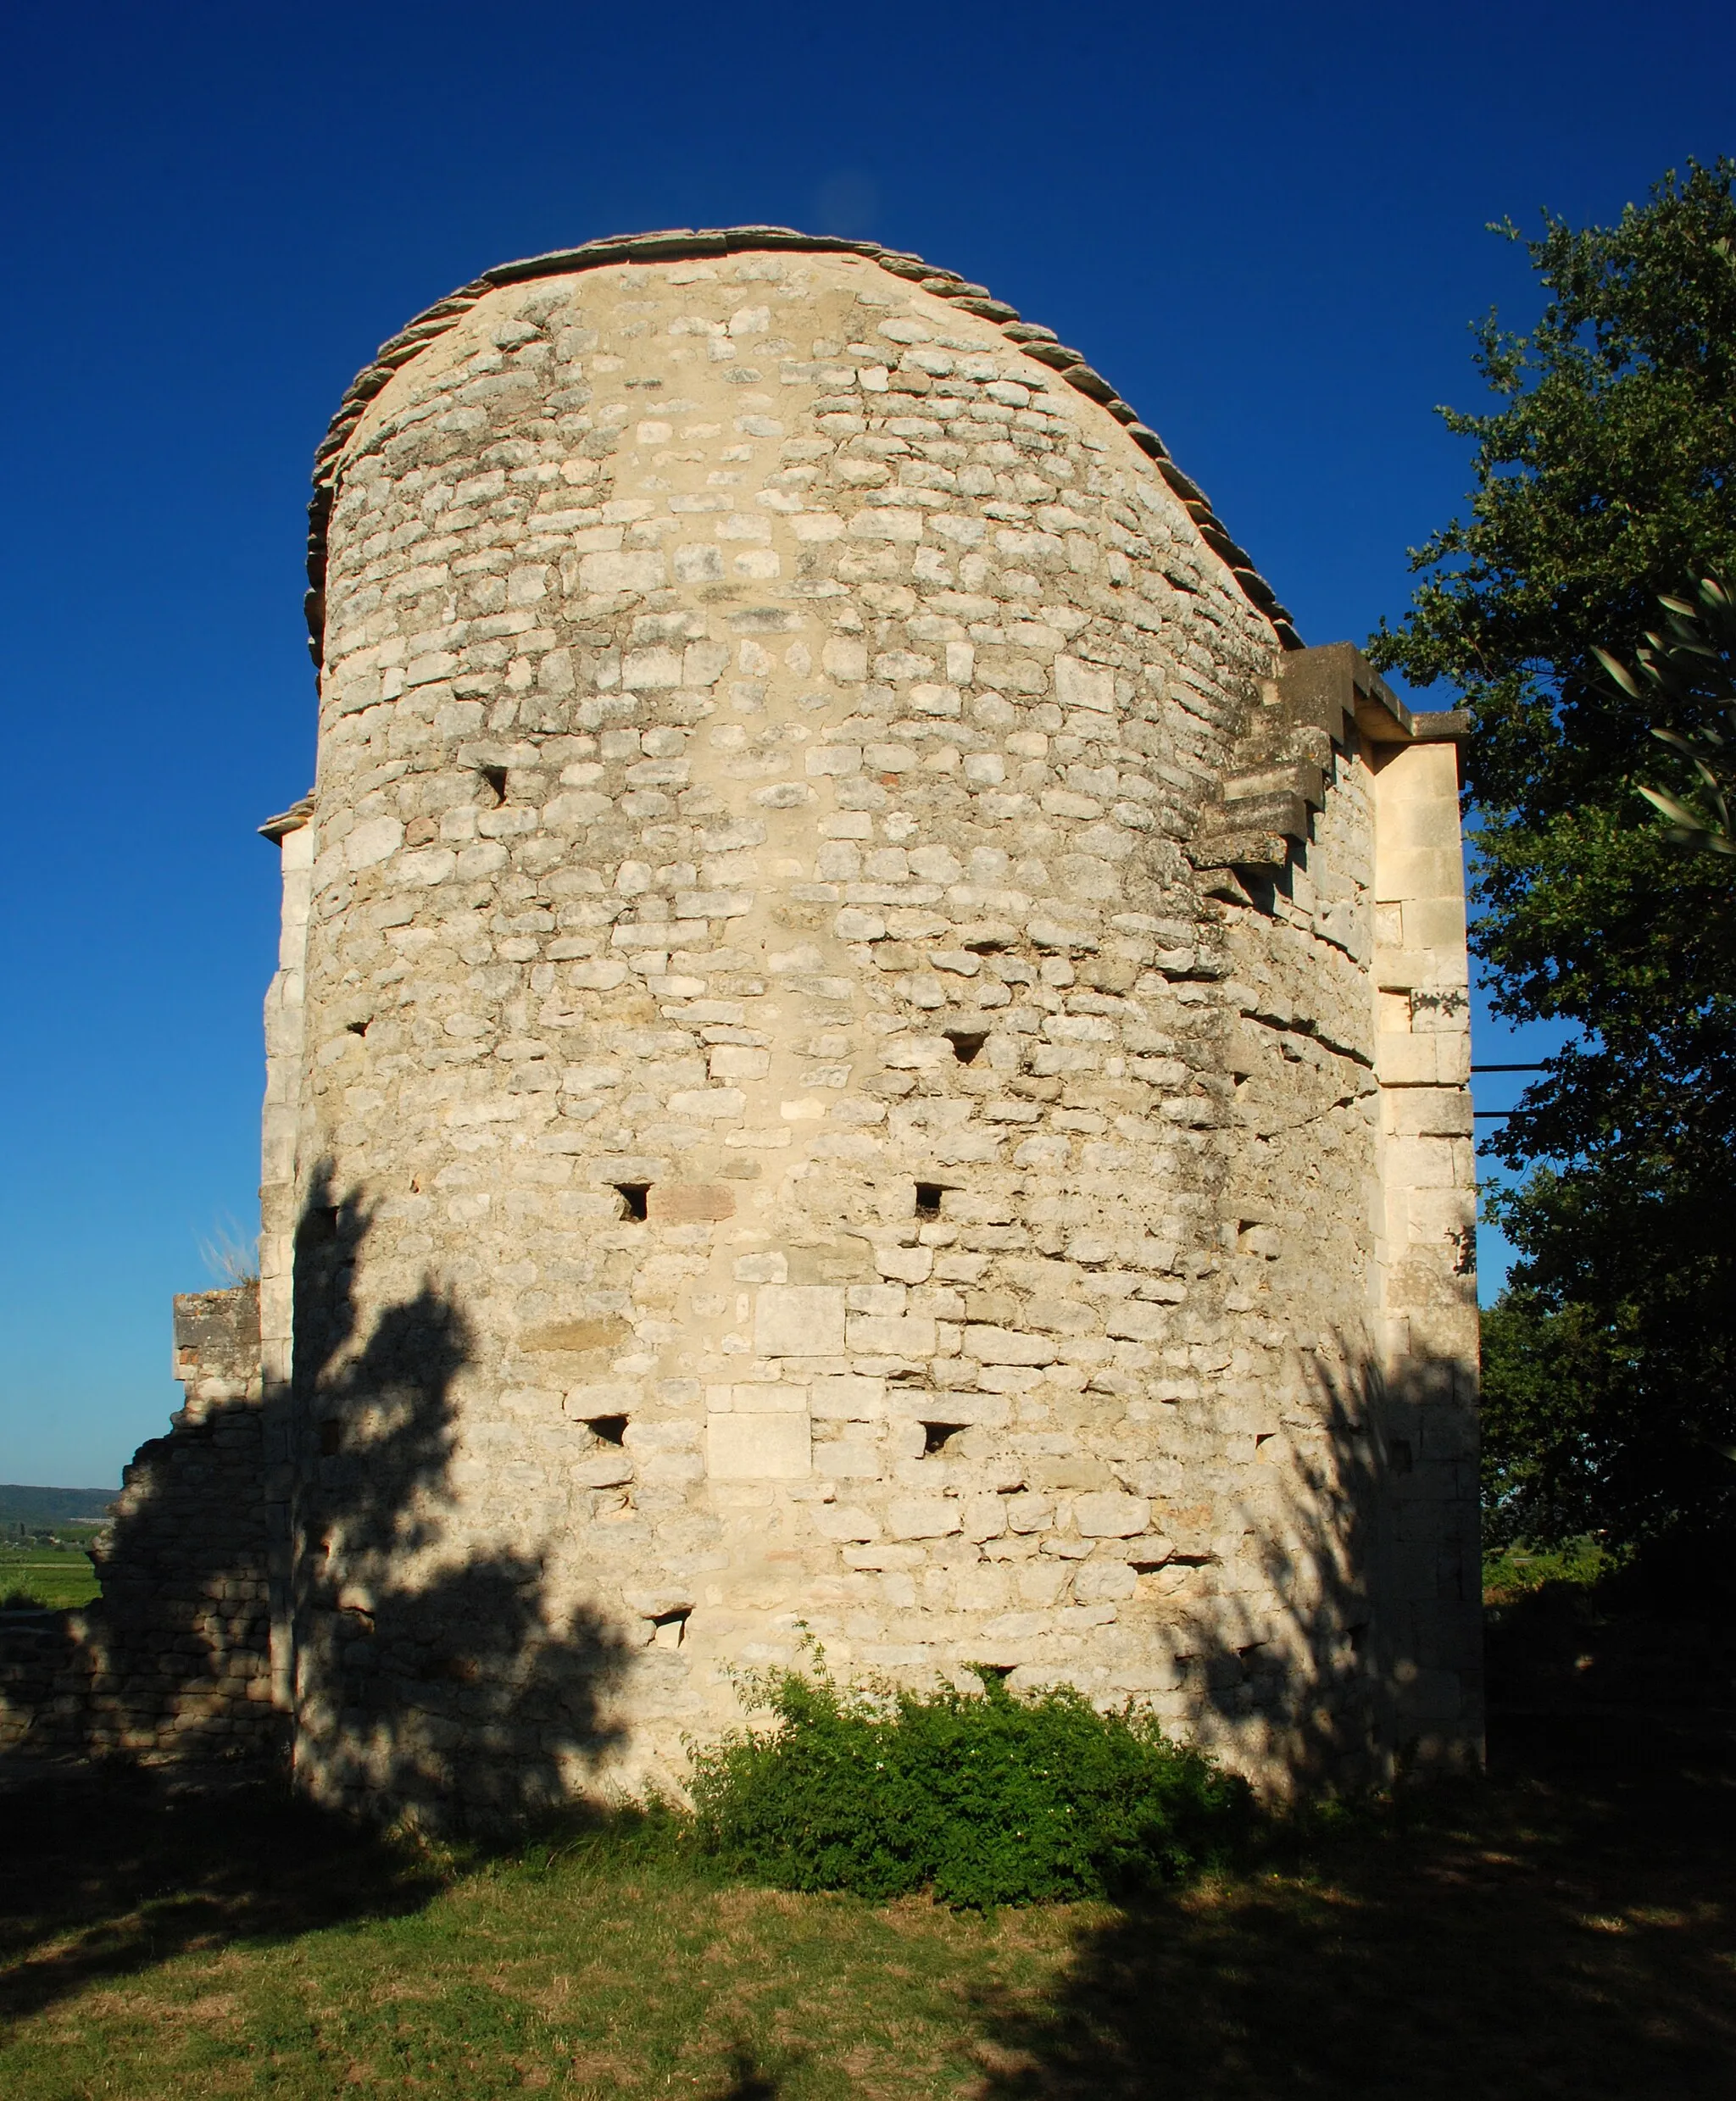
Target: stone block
[776, 1397]
[877, 1335]
[847, 1397]
[845, 1523]
[1006, 1346]
[799, 1321]
[923, 1517]
[757, 1446]
[1107, 1514]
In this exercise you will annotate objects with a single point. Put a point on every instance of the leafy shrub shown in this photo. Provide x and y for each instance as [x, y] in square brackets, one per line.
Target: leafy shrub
[985, 1798]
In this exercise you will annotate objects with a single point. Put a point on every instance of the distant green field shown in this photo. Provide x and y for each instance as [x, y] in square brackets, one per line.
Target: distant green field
[56, 1576]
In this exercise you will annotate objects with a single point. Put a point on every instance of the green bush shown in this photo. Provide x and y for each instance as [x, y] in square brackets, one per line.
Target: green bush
[984, 1799]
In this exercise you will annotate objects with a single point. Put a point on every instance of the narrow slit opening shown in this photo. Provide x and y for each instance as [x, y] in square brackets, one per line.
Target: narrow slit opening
[611, 1428]
[495, 776]
[967, 1043]
[331, 1438]
[937, 1436]
[928, 1196]
[633, 1195]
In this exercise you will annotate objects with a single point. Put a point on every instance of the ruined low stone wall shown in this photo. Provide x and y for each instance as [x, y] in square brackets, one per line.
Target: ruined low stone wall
[172, 1660]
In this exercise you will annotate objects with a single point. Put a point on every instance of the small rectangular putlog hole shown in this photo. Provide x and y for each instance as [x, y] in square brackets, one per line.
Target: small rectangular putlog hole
[937, 1436]
[318, 1224]
[668, 1630]
[611, 1429]
[494, 778]
[928, 1196]
[967, 1043]
[357, 1028]
[633, 1198]
[331, 1438]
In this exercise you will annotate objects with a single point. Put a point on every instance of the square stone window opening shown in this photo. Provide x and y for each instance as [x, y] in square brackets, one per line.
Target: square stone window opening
[938, 1436]
[928, 1197]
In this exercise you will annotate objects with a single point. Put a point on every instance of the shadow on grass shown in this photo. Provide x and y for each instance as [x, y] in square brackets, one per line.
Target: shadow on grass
[106, 1873]
[1565, 1928]
[748, 2079]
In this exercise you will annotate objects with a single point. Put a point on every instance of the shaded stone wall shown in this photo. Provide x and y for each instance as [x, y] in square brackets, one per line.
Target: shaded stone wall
[834, 1074]
[172, 1661]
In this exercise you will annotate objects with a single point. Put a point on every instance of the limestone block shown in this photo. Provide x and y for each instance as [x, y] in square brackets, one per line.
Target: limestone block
[884, 1554]
[923, 1517]
[1109, 1515]
[1029, 1513]
[683, 1204]
[1427, 1112]
[1436, 924]
[900, 1334]
[848, 1398]
[759, 1398]
[983, 1517]
[798, 1320]
[757, 1446]
[851, 1459]
[1078, 685]
[1006, 1346]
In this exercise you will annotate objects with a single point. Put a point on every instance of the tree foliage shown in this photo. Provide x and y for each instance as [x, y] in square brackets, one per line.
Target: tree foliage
[1605, 476]
[1690, 672]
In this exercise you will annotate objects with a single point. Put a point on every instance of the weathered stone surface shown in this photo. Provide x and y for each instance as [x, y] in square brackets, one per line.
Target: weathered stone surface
[860, 1040]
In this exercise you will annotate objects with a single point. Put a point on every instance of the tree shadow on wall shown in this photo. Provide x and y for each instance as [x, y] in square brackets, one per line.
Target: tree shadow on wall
[1536, 1934]
[435, 1675]
[1367, 1662]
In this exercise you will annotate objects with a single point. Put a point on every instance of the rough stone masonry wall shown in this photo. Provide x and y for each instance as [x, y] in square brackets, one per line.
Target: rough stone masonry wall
[172, 1661]
[785, 1136]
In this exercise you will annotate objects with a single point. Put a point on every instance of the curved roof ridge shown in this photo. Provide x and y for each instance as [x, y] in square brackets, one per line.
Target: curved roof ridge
[682, 243]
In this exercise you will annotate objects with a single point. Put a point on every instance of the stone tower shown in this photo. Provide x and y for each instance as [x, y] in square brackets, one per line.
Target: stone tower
[864, 1041]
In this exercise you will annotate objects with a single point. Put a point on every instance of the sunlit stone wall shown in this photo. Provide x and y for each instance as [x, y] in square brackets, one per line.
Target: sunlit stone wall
[826, 1075]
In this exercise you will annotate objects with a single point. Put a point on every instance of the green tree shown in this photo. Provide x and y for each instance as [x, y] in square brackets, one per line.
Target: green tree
[1690, 673]
[1605, 475]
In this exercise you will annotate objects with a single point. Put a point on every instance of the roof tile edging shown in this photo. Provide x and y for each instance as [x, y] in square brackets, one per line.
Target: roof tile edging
[680, 244]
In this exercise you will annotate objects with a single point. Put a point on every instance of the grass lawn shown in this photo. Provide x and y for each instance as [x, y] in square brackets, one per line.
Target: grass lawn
[1560, 1930]
[57, 1576]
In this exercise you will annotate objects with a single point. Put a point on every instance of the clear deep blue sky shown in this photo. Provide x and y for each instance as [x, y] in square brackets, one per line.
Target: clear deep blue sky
[1265, 223]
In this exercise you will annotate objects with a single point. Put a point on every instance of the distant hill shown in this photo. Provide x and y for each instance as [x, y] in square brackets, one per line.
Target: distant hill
[54, 1506]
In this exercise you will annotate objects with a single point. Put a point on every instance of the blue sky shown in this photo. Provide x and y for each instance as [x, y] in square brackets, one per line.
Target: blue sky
[1264, 223]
